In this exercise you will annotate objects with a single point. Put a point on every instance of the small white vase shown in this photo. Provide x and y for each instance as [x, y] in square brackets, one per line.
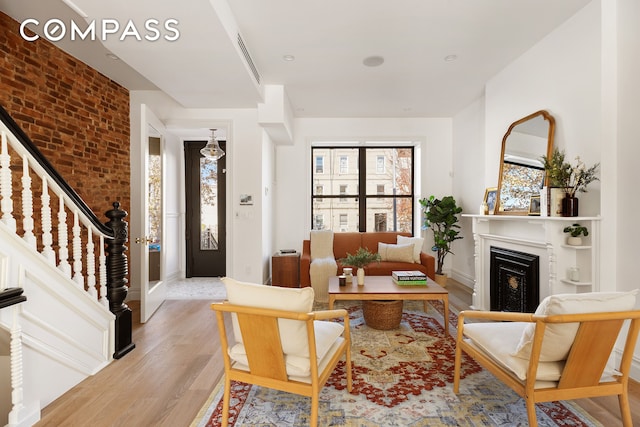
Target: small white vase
[574, 241]
[361, 277]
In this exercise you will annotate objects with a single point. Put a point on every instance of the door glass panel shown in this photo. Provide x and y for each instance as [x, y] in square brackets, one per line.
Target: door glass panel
[155, 208]
[208, 204]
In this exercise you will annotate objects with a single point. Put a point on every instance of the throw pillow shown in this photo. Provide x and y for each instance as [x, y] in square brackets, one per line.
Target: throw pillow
[396, 253]
[292, 332]
[417, 245]
[558, 338]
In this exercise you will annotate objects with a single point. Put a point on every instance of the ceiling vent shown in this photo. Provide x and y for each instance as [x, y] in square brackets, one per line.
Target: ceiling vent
[247, 58]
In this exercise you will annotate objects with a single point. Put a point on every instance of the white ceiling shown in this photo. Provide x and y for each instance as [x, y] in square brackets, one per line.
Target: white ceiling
[329, 39]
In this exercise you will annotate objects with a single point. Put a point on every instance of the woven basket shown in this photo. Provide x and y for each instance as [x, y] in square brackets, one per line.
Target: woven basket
[382, 315]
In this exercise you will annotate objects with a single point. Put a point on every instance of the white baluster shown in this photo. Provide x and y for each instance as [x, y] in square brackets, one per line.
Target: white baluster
[102, 260]
[91, 266]
[47, 238]
[63, 238]
[15, 357]
[27, 204]
[77, 253]
[5, 186]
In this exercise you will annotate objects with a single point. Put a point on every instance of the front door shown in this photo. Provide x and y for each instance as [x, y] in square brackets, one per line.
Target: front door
[205, 196]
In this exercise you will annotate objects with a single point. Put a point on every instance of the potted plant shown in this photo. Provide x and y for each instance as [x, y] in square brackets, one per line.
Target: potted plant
[360, 259]
[575, 231]
[441, 217]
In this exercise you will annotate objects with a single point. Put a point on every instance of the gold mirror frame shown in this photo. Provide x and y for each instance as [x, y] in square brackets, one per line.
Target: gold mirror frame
[521, 175]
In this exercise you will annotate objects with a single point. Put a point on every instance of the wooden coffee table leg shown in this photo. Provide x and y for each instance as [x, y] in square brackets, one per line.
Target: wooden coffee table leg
[445, 301]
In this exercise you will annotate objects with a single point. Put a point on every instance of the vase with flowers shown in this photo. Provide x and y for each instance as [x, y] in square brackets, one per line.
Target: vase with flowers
[572, 178]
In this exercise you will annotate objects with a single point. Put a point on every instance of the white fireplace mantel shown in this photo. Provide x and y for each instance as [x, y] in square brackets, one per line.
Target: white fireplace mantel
[542, 236]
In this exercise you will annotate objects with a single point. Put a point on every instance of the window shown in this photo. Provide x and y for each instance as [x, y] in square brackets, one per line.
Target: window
[381, 221]
[380, 164]
[376, 195]
[318, 222]
[344, 165]
[319, 164]
[343, 192]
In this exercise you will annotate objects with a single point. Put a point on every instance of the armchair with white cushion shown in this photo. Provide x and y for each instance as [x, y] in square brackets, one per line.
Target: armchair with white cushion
[561, 352]
[279, 342]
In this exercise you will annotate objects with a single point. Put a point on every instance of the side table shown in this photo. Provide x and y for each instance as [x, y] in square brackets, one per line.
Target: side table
[285, 269]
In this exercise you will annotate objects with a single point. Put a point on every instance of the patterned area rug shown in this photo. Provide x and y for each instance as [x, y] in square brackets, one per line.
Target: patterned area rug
[402, 377]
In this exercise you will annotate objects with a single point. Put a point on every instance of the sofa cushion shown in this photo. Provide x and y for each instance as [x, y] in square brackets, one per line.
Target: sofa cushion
[274, 297]
[395, 253]
[500, 339]
[417, 242]
[344, 243]
[371, 240]
[385, 268]
[326, 335]
[558, 338]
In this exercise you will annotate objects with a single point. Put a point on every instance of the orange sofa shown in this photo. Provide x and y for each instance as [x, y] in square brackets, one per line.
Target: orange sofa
[350, 242]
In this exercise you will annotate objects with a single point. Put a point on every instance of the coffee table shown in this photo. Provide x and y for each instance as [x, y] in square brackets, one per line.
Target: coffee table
[384, 288]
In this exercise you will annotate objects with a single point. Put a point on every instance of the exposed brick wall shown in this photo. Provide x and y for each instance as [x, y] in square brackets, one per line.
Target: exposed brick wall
[78, 118]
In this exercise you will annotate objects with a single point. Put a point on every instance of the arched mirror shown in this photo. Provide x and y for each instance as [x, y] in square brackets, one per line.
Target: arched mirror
[522, 173]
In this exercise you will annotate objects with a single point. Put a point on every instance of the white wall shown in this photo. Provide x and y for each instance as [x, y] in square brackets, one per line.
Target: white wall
[469, 183]
[173, 207]
[627, 208]
[293, 164]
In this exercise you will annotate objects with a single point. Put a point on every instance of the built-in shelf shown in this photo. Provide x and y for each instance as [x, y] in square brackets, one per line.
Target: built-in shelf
[578, 248]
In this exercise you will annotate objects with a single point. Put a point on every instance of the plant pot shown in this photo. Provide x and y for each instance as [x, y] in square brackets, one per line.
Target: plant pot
[574, 241]
[361, 277]
[441, 279]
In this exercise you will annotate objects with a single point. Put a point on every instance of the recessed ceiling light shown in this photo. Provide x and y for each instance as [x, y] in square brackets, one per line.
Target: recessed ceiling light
[289, 58]
[450, 58]
[112, 56]
[373, 61]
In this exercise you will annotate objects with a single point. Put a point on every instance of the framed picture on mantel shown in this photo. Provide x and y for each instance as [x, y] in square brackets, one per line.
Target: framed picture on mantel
[490, 195]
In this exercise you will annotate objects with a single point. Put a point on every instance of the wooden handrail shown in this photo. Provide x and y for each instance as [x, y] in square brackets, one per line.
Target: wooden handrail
[48, 168]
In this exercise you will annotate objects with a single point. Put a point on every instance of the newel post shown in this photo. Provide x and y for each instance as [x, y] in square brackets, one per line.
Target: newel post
[117, 280]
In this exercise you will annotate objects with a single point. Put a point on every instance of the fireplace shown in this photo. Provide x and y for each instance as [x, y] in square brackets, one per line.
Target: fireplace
[514, 280]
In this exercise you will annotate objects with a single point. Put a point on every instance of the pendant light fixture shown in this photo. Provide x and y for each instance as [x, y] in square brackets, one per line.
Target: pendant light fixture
[212, 149]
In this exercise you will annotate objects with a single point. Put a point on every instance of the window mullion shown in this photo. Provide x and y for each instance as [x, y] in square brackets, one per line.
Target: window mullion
[362, 189]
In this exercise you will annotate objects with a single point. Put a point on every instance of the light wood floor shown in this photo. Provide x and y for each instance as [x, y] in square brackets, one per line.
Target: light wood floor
[170, 374]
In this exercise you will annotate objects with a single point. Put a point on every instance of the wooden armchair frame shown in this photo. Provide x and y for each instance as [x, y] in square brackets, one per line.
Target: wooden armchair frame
[581, 376]
[261, 339]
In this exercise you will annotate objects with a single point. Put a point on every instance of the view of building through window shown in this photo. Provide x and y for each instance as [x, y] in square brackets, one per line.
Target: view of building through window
[378, 197]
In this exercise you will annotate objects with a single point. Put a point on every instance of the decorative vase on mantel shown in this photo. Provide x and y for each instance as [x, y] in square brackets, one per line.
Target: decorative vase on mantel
[360, 274]
[569, 205]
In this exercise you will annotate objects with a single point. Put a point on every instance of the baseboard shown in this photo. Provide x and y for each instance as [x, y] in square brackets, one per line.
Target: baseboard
[463, 278]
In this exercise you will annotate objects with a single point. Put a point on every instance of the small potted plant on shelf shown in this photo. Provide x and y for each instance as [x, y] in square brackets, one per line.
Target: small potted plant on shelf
[441, 217]
[359, 260]
[575, 231]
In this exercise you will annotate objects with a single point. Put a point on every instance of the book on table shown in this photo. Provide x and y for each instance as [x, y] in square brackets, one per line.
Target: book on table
[409, 278]
[409, 275]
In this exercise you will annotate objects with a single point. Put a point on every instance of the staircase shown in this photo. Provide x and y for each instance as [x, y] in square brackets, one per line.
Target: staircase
[68, 268]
